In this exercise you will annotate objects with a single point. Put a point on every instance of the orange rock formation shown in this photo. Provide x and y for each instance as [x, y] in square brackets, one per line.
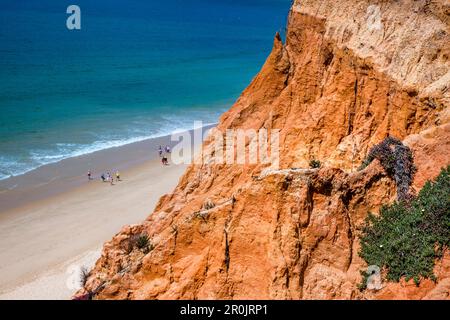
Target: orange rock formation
[348, 75]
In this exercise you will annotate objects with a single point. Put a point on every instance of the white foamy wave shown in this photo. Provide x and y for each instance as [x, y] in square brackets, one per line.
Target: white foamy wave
[4, 176]
[10, 167]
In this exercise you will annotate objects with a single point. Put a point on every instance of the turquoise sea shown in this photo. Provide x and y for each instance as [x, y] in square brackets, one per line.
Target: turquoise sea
[137, 69]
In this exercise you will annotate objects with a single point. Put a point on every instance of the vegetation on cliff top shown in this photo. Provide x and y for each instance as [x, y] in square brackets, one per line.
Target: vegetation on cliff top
[408, 236]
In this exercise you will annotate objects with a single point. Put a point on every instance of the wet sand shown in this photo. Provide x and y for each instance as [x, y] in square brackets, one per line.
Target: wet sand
[53, 179]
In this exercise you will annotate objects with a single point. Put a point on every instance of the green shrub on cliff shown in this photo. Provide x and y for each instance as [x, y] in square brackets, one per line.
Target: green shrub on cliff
[408, 236]
[143, 243]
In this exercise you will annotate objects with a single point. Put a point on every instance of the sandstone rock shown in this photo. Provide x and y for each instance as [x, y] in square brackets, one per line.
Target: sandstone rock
[336, 87]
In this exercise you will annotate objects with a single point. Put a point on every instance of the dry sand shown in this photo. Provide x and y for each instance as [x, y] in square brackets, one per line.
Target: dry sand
[44, 244]
[53, 221]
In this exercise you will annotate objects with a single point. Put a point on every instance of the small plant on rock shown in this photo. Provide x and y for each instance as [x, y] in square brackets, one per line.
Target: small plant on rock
[315, 164]
[140, 241]
[84, 275]
[143, 241]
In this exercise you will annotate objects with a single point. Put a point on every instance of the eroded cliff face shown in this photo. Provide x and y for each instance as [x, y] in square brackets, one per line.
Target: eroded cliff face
[347, 76]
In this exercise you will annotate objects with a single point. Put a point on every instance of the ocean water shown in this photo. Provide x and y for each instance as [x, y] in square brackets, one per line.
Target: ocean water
[137, 69]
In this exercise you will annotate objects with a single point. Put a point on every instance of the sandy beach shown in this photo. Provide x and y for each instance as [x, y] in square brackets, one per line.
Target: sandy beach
[40, 241]
[51, 227]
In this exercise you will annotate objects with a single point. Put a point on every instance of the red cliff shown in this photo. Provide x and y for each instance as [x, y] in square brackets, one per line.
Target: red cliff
[347, 76]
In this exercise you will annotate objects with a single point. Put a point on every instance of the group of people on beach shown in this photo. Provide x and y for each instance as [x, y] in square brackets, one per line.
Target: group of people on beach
[105, 177]
[163, 154]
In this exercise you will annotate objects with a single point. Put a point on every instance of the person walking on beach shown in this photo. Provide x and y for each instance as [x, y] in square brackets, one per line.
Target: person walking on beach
[164, 160]
[117, 175]
[103, 177]
[89, 175]
[110, 178]
[160, 150]
[167, 149]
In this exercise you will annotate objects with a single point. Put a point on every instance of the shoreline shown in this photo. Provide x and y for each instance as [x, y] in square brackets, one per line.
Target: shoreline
[56, 178]
[108, 145]
[57, 227]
